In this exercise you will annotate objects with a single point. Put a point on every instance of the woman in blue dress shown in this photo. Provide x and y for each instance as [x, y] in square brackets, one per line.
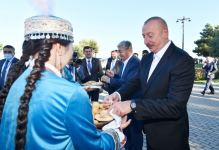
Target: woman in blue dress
[39, 109]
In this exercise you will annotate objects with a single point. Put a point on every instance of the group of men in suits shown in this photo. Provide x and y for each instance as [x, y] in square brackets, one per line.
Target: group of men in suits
[129, 65]
[7, 63]
[153, 92]
[165, 79]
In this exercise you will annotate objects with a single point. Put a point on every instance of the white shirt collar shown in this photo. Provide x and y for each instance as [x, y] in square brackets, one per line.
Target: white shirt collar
[126, 61]
[114, 60]
[53, 69]
[161, 52]
[87, 59]
[47, 65]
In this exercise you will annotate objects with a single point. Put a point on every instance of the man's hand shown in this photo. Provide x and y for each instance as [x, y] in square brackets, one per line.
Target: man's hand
[110, 73]
[121, 108]
[105, 79]
[124, 122]
[110, 99]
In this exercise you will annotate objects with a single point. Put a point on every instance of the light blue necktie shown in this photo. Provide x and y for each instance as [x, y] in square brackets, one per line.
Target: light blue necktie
[89, 66]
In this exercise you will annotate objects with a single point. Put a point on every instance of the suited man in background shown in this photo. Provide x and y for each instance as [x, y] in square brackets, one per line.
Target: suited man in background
[128, 70]
[7, 63]
[113, 63]
[166, 79]
[92, 71]
[112, 69]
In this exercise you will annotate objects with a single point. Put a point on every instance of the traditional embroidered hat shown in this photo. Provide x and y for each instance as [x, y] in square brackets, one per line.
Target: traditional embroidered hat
[48, 27]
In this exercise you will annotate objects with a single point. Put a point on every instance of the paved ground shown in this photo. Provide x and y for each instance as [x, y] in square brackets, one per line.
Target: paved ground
[204, 119]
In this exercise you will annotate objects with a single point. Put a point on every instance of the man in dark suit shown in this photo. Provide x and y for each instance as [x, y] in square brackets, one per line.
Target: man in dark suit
[92, 71]
[113, 63]
[128, 70]
[112, 69]
[166, 79]
[6, 63]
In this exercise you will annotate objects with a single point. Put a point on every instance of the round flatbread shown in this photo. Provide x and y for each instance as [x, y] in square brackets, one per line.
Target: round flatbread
[105, 117]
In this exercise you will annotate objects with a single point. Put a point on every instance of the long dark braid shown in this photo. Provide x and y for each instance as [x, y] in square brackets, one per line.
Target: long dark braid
[35, 75]
[20, 138]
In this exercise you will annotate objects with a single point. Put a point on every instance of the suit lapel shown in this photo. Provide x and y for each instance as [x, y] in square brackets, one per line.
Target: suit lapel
[127, 65]
[146, 69]
[85, 67]
[161, 65]
[93, 66]
[13, 60]
[108, 63]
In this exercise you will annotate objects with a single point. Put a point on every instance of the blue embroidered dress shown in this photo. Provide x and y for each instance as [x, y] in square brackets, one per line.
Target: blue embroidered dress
[59, 117]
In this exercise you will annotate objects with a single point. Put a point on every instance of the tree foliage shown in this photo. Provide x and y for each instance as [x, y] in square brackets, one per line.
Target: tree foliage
[215, 43]
[208, 44]
[1, 47]
[86, 42]
[203, 44]
[77, 49]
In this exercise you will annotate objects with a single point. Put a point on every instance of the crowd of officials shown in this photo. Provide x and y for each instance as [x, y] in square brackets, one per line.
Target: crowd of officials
[43, 87]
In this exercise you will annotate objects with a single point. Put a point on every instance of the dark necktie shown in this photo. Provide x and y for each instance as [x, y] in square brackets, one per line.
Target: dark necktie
[3, 73]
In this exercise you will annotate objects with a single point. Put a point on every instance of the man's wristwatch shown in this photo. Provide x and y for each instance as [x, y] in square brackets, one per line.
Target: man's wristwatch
[133, 106]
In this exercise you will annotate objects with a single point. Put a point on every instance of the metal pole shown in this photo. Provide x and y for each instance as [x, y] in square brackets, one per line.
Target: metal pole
[182, 20]
[183, 35]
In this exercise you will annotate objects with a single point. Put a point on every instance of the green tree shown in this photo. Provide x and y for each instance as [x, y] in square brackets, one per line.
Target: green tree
[1, 47]
[204, 43]
[90, 42]
[214, 51]
[86, 42]
[79, 50]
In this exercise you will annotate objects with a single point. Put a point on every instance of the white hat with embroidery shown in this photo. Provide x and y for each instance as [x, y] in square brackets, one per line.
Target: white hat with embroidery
[48, 27]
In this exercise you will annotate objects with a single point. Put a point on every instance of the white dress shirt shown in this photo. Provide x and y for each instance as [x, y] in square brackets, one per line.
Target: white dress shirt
[156, 58]
[112, 65]
[90, 64]
[125, 63]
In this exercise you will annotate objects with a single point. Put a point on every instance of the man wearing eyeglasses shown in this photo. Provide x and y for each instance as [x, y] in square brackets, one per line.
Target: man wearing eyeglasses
[6, 63]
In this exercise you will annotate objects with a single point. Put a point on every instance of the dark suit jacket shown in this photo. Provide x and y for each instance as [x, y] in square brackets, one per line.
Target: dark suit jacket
[14, 60]
[116, 67]
[165, 97]
[130, 71]
[96, 71]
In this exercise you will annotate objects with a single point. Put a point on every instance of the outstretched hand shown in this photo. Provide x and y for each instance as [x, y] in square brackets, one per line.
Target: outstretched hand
[125, 122]
[121, 108]
[110, 99]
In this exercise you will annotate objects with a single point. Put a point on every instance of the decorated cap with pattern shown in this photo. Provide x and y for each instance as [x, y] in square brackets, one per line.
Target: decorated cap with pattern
[48, 27]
